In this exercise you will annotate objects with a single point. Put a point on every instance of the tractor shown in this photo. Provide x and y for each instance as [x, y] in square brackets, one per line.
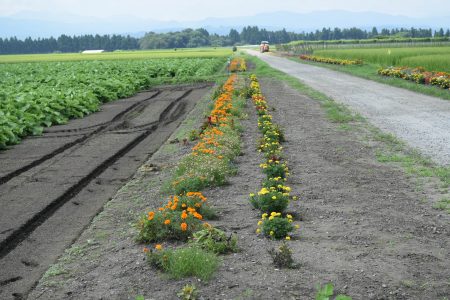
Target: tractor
[264, 47]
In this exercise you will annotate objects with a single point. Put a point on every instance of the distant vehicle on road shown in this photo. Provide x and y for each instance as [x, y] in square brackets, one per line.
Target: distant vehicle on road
[264, 47]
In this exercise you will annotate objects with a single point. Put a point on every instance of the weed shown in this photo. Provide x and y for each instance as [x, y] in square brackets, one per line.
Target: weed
[327, 291]
[282, 258]
[185, 262]
[443, 204]
[407, 283]
[193, 135]
[188, 292]
[215, 240]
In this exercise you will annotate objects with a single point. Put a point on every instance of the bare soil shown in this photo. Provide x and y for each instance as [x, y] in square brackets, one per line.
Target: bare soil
[53, 185]
[363, 226]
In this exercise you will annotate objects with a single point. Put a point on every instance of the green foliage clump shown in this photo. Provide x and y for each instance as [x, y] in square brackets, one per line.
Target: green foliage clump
[185, 262]
[327, 291]
[215, 240]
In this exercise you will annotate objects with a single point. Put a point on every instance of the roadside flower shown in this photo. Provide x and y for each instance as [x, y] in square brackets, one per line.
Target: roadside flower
[146, 250]
[151, 215]
[158, 247]
[167, 222]
[184, 226]
[288, 238]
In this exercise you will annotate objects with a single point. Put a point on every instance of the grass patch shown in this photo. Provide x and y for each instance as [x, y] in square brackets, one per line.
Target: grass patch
[185, 262]
[369, 71]
[443, 204]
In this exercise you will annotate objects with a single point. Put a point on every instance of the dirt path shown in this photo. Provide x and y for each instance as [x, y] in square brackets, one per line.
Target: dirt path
[53, 185]
[420, 120]
[363, 225]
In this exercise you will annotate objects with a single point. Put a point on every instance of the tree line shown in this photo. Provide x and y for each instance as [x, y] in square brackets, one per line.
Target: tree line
[192, 38]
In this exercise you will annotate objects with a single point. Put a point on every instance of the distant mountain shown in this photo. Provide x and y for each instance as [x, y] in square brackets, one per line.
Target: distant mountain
[43, 25]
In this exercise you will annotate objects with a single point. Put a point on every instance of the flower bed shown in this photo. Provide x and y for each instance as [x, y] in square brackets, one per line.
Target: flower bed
[334, 61]
[237, 64]
[183, 216]
[418, 75]
[274, 196]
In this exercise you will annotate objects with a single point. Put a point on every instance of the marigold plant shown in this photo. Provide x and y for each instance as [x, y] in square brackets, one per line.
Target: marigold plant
[276, 226]
[270, 199]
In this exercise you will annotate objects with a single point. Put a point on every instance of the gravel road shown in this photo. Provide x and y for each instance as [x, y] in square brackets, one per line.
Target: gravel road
[421, 121]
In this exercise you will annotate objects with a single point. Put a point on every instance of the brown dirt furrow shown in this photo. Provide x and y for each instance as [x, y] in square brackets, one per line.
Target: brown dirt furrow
[47, 206]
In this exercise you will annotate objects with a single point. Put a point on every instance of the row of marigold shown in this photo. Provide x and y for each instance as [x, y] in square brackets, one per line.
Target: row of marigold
[185, 211]
[418, 75]
[334, 61]
[274, 197]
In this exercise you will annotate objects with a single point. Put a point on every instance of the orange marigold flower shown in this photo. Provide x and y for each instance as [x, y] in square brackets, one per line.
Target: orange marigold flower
[151, 215]
[191, 210]
[198, 216]
[167, 222]
[158, 247]
[184, 215]
[184, 226]
[161, 208]
[198, 205]
[145, 250]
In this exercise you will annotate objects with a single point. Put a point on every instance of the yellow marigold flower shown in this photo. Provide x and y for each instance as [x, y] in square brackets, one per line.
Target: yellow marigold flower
[263, 191]
[271, 217]
[295, 198]
[273, 214]
[274, 198]
[297, 226]
[264, 215]
[271, 232]
[258, 230]
[158, 247]
[288, 238]
[289, 216]
[286, 188]
[167, 222]
[252, 195]
[260, 223]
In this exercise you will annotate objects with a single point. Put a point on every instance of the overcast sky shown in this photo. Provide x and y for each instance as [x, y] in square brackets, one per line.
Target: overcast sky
[182, 10]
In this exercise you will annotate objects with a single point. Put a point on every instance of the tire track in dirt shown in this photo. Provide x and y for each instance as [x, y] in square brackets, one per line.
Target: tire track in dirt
[74, 184]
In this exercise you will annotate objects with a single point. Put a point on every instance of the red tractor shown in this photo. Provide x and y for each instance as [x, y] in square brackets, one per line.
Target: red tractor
[264, 47]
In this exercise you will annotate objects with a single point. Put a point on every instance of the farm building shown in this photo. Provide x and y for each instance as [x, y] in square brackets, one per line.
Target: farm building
[92, 51]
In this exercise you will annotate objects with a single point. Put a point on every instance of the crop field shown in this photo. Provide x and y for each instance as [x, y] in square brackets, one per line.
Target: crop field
[37, 95]
[119, 55]
[431, 58]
